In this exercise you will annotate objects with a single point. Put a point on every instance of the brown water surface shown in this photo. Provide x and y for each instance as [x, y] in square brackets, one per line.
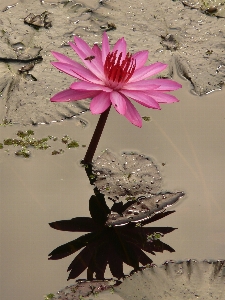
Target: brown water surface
[186, 140]
[188, 137]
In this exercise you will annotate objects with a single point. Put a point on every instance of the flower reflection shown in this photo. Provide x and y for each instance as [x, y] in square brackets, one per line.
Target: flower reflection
[109, 245]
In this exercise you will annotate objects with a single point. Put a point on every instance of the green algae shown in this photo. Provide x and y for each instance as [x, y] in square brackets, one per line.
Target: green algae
[49, 296]
[26, 141]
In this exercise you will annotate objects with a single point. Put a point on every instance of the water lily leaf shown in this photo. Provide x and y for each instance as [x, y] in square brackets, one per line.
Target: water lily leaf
[130, 175]
[181, 280]
[84, 288]
[157, 217]
[73, 246]
[144, 208]
[22, 92]
[78, 224]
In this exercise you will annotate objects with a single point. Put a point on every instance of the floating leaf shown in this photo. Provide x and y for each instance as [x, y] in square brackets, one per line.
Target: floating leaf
[144, 208]
[84, 288]
[181, 280]
[131, 175]
[176, 280]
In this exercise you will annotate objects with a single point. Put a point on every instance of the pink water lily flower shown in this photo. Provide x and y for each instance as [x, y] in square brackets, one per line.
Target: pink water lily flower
[113, 78]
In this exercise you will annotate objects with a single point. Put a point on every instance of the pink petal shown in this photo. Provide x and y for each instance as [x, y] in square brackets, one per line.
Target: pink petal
[71, 95]
[82, 45]
[132, 114]
[93, 65]
[97, 51]
[147, 71]
[142, 85]
[141, 58]
[166, 84]
[120, 46]
[162, 97]
[98, 55]
[105, 47]
[118, 102]
[77, 71]
[100, 103]
[141, 98]
[82, 85]
[63, 58]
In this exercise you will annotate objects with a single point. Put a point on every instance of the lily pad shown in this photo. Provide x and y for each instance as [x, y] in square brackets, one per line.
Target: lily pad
[171, 281]
[29, 32]
[84, 289]
[144, 208]
[176, 281]
[130, 175]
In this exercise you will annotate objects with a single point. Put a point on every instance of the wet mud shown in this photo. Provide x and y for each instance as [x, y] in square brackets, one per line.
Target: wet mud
[173, 31]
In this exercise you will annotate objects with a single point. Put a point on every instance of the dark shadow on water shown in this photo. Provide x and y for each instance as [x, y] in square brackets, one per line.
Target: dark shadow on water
[110, 243]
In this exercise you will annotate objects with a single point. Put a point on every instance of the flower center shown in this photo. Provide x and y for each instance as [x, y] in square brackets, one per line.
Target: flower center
[118, 71]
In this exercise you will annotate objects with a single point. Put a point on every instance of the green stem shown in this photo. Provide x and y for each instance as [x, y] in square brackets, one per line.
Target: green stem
[96, 137]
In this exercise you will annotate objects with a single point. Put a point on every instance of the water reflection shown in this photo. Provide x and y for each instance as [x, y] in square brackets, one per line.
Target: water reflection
[111, 243]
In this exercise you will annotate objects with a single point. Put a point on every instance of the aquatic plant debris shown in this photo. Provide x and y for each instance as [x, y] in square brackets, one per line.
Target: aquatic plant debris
[113, 77]
[38, 21]
[211, 7]
[25, 141]
[49, 296]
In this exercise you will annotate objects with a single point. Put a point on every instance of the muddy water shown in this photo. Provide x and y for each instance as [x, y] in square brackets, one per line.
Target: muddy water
[188, 137]
[186, 141]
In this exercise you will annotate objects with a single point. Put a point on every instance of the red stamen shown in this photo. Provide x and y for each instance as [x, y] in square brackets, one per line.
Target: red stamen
[117, 71]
